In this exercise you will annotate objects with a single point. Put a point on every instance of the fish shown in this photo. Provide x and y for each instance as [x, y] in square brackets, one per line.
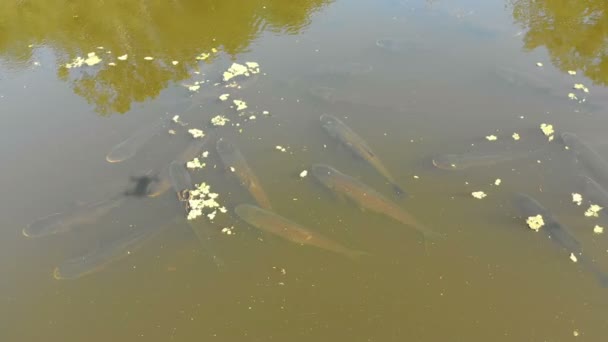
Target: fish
[163, 182]
[234, 161]
[559, 234]
[339, 131]
[592, 163]
[270, 222]
[595, 192]
[366, 197]
[129, 147]
[60, 223]
[102, 256]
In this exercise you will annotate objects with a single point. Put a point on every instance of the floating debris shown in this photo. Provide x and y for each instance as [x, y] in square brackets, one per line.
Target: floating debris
[265, 112]
[303, 173]
[194, 87]
[201, 198]
[252, 117]
[92, 59]
[241, 70]
[491, 138]
[228, 230]
[123, 57]
[539, 64]
[195, 164]
[178, 121]
[535, 222]
[280, 148]
[203, 56]
[479, 194]
[175, 62]
[575, 333]
[205, 154]
[572, 96]
[171, 131]
[112, 64]
[547, 130]
[577, 198]
[196, 133]
[224, 97]
[571, 72]
[593, 210]
[497, 182]
[598, 229]
[148, 58]
[240, 105]
[580, 86]
[515, 136]
[219, 120]
[76, 63]
[573, 257]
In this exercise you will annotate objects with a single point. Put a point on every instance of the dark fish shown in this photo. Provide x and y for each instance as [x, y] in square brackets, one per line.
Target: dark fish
[272, 223]
[593, 164]
[234, 161]
[366, 197]
[559, 234]
[339, 131]
[99, 258]
[129, 147]
[64, 222]
[163, 183]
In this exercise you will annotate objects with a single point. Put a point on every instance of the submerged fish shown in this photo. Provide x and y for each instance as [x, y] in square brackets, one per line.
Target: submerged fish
[64, 222]
[163, 182]
[234, 161]
[97, 259]
[591, 161]
[339, 131]
[128, 148]
[595, 192]
[366, 197]
[272, 223]
[559, 234]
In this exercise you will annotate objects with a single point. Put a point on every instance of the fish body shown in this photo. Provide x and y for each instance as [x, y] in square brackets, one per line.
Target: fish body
[234, 161]
[344, 134]
[557, 233]
[365, 197]
[269, 222]
[591, 161]
[60, 223]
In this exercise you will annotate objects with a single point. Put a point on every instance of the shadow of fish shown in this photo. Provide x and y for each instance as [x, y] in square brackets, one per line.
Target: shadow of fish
[339, 131]
[234, 161]
[366, 197]
[272, 223]
[557, 233]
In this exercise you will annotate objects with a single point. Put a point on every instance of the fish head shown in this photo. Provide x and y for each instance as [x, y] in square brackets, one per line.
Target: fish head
[245, 211]
[569, 139]
[328, 120]
[446, 162]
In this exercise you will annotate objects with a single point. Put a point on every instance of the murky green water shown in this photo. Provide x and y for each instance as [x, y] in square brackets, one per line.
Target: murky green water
[414, 81]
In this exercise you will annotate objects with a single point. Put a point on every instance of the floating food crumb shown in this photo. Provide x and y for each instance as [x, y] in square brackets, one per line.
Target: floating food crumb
[232, 169]
[547, 130]
[76, 63]
[175, 118]
[573, 257]
[175, 62]
[205, 154]
[571, 72]
[572, 96]
[224, 97]
[92, 59]
[171, 131]
[252, 117]
[580, 86]
[223, 210]
[535, 222]
[253, 67]
[123, 57]
[235, 70]
[194, 87]
[515, 136]
[195, 164]
[112, 64]
[265, 112]
[211, 215]
[201, 198]
[598, 229]
[539, 64]
[214, 50]
[148, 58]
[575, 333]
[203, 56]
[497, 182]
[479, 194]
[196, 133]
[416, 177]
[303, 173]
[593, 210]
[219, 120]
[491, 138]
[577, 198]
[240, 105]
[228, 230]
[280, 148]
